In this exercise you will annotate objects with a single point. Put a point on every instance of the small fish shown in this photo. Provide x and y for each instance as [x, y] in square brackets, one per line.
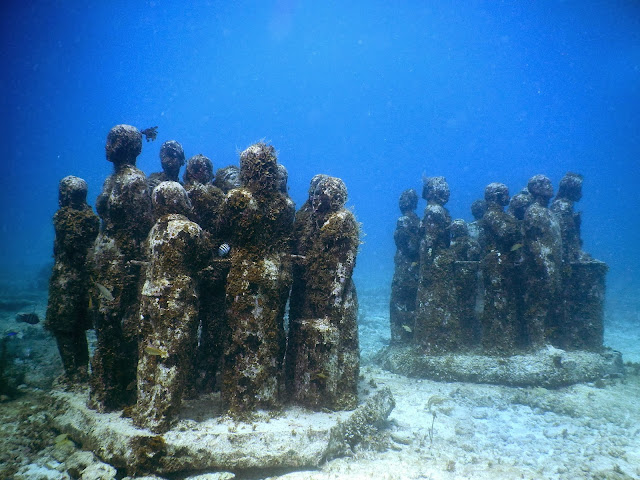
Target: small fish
[30, 318]
[517, 246]
[223, 250]
[156, 352]
[407, 328]
[320, 376]
[104, 292]
[63, 440]
[11, 334]
[150, 133]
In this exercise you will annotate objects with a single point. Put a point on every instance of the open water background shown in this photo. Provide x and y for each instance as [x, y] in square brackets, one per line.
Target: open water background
[377, 93]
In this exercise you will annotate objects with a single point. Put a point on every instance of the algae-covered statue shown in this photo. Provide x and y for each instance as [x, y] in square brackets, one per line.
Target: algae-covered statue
[260, 217]
[227, 178]
[322, 362]
[124, 207]
[208, 201]
[436, 327]
[404, 286]
[501, 235]
[512, 300]
[583, 278]
[569, 192]
[169, 309]
[171, 159]
[542, 250]
[68, 316]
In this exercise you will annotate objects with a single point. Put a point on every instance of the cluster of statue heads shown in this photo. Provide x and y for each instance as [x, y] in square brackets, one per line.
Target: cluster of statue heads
[187, 283]
[514, 280]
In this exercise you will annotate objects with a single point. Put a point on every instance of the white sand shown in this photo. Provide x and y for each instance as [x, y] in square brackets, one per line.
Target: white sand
[479, 431]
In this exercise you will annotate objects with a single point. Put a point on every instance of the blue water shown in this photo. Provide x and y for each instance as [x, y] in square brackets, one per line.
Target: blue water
[377, 93]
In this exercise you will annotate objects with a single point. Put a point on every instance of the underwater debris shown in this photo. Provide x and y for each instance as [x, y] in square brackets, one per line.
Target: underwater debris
[30, 318]
[150, 133]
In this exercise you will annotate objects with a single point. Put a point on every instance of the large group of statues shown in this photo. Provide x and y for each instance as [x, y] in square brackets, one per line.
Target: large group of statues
[186, 285]
[509, 282]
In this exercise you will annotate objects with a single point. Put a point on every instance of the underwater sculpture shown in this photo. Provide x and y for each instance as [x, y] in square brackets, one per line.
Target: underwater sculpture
[569, 192]
[180, 304]
[404, 286]
[260, 217]
[519, 282]
[322, 360]
[478, 209]
[437, 327]
[169, 308]
[171, 159]
[542, 251]
[207, 201]
[76, 228]
[519, 203]
[227, 178]
[124, 207]
[583, 278]
[500, 232]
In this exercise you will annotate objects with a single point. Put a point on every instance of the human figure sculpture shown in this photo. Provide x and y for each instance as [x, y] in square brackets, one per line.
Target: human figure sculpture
[583, 278]
[171, 159]
[543, 262]
[301, 242]
[478, 209]
[261, 219]
[462, 244]
[501, 330]
[76, 228]
[322, 361]
[227, 178]
[436, 326]
[169, 309]
[569, 192]
[124, 207]
[466, 286]
[208, 202]
[519, 203]
[404, 286]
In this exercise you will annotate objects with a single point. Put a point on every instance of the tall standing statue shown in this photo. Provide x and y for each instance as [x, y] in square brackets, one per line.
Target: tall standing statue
[171, 159]
[323, 350]
[404, 286]
[583, 278]
[501, 329]
[543, 263]
[208, 201]
[436, 326]
[124, 207]
[260, 216]
[569, 192]
[76, 228]
[169, 309]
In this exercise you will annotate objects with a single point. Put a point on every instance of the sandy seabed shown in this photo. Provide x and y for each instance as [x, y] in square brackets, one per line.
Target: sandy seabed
[436, 431]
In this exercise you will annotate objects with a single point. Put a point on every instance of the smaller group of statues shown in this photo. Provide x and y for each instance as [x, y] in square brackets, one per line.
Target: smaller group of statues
[510, 281]
[186, 285]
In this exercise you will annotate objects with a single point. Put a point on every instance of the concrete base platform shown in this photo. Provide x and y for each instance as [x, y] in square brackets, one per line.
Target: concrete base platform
[549, 367]
[205, 440]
